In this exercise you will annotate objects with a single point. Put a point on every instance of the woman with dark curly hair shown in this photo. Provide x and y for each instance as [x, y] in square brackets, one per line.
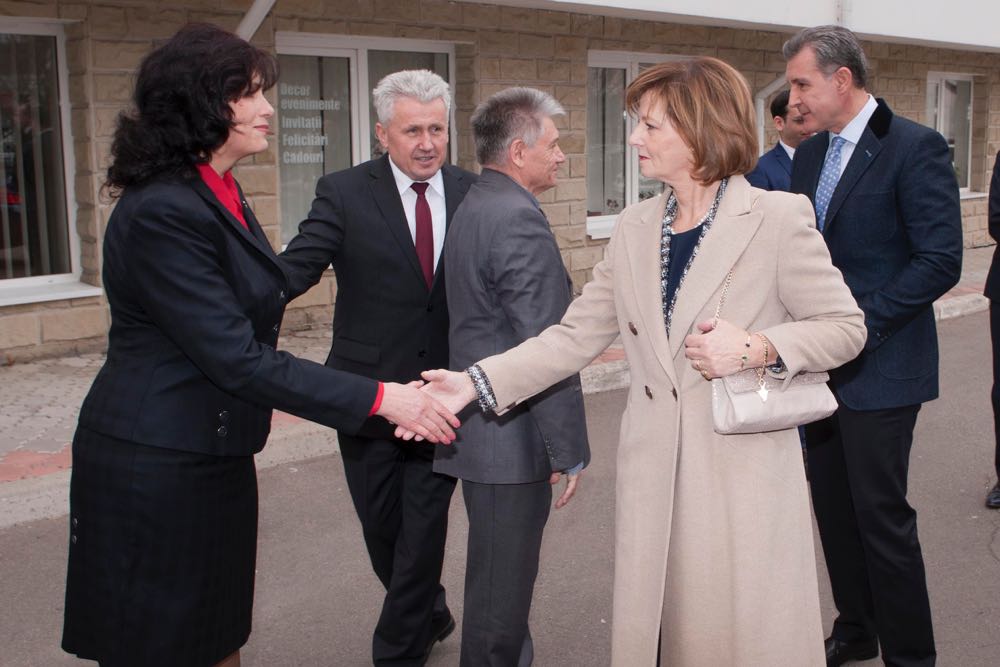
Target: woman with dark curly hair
[163, 498]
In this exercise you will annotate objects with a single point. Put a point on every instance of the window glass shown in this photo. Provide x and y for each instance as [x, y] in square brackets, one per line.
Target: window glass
[34, 233]
[314, 130]
[949, 111]
[605, 141]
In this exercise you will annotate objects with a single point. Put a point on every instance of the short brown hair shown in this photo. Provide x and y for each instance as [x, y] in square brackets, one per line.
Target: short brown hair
[709, 104]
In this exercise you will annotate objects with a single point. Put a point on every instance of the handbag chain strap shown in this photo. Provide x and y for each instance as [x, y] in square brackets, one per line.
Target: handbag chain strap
[718, 310]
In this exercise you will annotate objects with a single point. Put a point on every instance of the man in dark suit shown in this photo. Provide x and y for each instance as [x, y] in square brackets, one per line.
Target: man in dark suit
[774, 168]
[887, 204]
[993, 293]
[506, 283]
[382, 225]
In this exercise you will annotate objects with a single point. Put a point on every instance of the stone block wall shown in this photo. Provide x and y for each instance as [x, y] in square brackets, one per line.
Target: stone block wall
[496, 46]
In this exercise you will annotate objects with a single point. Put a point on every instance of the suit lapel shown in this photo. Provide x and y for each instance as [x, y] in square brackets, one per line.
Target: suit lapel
[386, 196]
[862, 158]
[734, 227]
[255, 239]
[783, 159]
[642, 244]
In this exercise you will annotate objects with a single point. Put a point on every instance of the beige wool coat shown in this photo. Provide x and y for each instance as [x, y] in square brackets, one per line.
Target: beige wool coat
[713, 537]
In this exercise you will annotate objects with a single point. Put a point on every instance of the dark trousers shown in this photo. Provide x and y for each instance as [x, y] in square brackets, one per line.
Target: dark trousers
[506, 522]
[403, 507]
[995, 394]
[858, 465]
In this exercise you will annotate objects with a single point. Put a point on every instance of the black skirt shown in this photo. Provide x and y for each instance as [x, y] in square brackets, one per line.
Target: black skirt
[162, 550]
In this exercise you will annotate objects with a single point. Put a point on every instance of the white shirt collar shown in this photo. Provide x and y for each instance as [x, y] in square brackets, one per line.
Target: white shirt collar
[403, 182]
[788, 149]
[852, 131]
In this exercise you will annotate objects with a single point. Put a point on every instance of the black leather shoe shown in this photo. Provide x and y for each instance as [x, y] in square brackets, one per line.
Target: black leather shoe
[993, 497]
[440, 629]
[838, 652]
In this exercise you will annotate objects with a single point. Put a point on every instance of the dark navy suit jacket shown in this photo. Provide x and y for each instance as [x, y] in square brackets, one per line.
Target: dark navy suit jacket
[894, 229]
[993, 278]
[773, 170]
[196, 305]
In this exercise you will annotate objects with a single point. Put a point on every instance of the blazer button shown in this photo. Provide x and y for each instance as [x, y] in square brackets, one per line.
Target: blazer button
[73, 539]
[281, 295]
[649, 392]
[224, 416]
[222, 432]
[631, 327]
[76, 522]
[276, 328]
[673, 390]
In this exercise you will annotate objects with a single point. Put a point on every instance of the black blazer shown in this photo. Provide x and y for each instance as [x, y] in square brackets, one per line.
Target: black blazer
[773, 170]
[196, 304]
[894, 229]
[386, 323]
[993, 277]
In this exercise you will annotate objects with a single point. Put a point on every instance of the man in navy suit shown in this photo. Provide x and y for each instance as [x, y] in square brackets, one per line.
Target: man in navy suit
[993, 293]
[382, 225]
[774, 168]
[887, 204]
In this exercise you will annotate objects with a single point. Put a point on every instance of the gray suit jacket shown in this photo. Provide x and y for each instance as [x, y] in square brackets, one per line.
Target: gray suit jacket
[506, 283]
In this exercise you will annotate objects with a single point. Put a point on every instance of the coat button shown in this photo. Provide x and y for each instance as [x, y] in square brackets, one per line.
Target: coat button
[222, 432]
[281, 295]
[649, 392]
[673, 390]
[76, 522]
[631, 327]
[73, 539]
[224, 416]
[276, 328]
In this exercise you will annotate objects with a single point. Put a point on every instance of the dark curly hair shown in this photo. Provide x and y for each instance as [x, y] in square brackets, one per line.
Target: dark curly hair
[181, 109]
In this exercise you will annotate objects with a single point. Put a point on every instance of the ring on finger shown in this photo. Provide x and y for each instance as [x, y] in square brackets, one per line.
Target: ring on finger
[705, 375]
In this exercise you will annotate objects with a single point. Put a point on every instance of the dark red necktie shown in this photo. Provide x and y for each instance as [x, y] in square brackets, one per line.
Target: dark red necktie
[424, 241]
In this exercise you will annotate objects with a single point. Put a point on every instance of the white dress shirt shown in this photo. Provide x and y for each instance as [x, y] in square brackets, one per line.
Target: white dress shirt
[852, 132]
[435, 200]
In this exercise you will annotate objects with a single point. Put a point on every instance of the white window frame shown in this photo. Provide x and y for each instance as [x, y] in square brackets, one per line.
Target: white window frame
[938, 77]
[37, 289]
[601, 226]
[356, 49]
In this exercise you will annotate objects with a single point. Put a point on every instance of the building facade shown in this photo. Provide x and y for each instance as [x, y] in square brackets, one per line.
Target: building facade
[66, 71]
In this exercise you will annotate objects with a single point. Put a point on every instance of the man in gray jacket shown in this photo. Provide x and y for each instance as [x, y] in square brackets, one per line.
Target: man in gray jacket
[506, 283]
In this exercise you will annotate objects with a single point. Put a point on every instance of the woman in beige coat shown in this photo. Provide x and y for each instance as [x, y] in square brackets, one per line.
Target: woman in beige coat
[714, 561]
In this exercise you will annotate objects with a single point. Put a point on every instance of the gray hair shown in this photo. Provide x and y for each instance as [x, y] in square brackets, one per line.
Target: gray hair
[421, 84]
[835, 47]
[514, 113]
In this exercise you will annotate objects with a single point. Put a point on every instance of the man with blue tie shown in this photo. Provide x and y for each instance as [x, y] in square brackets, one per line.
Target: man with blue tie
[887, 203]
[774, 168]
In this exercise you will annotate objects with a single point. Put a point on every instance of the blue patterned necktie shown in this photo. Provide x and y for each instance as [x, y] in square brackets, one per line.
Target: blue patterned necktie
[828, 178]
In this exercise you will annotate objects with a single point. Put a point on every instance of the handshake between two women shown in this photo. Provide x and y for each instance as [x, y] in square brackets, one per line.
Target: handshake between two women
[449, 392]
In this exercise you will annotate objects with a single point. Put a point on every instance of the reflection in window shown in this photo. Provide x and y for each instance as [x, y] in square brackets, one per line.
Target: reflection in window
[314, 121]
[949, 111]
[34, 233]
[605, 141]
